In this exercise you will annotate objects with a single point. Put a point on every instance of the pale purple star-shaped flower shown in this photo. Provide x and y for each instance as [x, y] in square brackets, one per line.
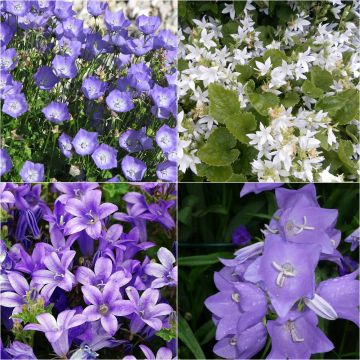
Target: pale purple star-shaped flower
[56, 112]
[32, 172]
[105, 157]
[85, 142]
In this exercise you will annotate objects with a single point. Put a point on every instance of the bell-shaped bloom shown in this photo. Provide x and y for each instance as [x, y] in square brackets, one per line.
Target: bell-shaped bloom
[17, 297]
[44, 78]
[115, 20]
[164, 99]
[354, 239]
[242, 345]
[140, 46]
[288, 198]
[162, 354]
[342, 293]
[6, 34]
[57, 330]
[57, 273]
[166, 39]
[63, 9]
[146, 309]
[88, 213]
[165, 272]
[85, 142]
[72, 27]
[257, 188]
[287, 271]
[5, 162]
[96, 7]
[102, 274]
[132, 168]
[56, 112]
[167, 171]
[32, 172]
[17, 7]
[8, 59]
[166, 138]
[105, 157]
[119, 101]
[297, 337]
[65, 145]
[6, 197]
[135, 140]
[106, 305]
[147, 24]
[15, 105]
[308, 225]
[74, 190]
[64, 66]
[19, 350]
[241, 236]
[93, 87]
[69, 47]
[139, 76]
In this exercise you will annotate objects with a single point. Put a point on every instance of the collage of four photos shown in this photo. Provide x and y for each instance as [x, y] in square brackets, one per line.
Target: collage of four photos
[179, 179]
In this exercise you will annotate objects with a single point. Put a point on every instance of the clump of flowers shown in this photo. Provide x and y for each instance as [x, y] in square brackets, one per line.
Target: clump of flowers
[276, 288]
[269, 91]
[82, 277]
[69, 92]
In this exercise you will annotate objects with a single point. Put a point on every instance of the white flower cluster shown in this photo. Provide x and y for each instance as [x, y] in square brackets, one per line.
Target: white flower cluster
[289, 145]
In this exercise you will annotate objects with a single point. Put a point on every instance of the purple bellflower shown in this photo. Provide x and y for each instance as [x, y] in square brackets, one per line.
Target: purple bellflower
[31, 172]
[96, 7]
[258, 188]
[241, 236]
[85, 142]
[56, 112]
[134, 141]
[132, 168]
[44, 78]
[354, 239]
[5, 162]
[105, 306]
[105, 157]
[147, 24]
[167, 171]
[64, 67]
[119, 101]
[15, 105]
[88, 214]
[65, 145]
[93, 87]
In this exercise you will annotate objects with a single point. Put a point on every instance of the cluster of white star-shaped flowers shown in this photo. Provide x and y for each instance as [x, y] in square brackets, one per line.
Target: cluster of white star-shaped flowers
[291, 142]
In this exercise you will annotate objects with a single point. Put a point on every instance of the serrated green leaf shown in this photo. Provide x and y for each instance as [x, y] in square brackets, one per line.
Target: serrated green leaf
[311, 90]
[290, 99]
[223, 102]
[246, 71]
[263, 102]
[345, 151]
[266, 34]
[322, 136]
[276, 56]
[214, 173]
[218, 150]
[240, 124]
[321, 78]
[237, 178]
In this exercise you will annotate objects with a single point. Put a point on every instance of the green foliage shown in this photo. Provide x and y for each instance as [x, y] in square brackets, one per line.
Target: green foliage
[311, 90]
[168, 334]
[321, 78]
[219, 149]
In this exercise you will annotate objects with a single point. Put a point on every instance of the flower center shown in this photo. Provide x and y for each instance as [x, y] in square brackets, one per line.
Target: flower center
[83, 144]
[285, 270]
[58, 276]
[32, 175]
[233, 341]
[294, 229]
[92, 217]
[119, 104]
[235, 297]
[131, 172]
[292, 329]
[103, 309]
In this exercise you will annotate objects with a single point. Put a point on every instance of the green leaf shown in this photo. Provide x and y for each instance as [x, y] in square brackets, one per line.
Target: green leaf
[276, 56]
[266, 34]
[187, 336]
[322, 136]
[353, 132]
[202, 260]
[206, 332]
[290, 99]
[168, 334]
[214, 173]
[345, 151]
[263, 102]
[240, 124]
[182, 65]
[237, 178]
[246, 71]
[228, 29]
[218, 150]
[239, 7]
[321, 78]
[209, 7]
[343, 107]
[311, 90]
[223, 102]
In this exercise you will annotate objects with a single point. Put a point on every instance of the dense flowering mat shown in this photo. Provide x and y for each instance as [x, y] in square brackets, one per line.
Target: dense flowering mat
[290, 290]
[87, 271]
[268, 91]
[86, 103]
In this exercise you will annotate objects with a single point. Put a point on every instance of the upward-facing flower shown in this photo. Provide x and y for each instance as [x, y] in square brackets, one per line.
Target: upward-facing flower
[133, 169]
[63, 9]
[85, 142]
[93, 87]
[8, 59]
[57, 273]
[106, 306]
[115, 20]
[96, 7]
[165, 101]
[105, 157]
[146, 310]
[44, 78]
[15, 105]
[135, 140]
[88, 214]
[119, 101]
[165, 273]
[56, 112]
[5, 162]
[166, 138]
[31, 172]
[65, 144]
[57, 330]
[147, 24]
[64, 67]
[6, 34]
